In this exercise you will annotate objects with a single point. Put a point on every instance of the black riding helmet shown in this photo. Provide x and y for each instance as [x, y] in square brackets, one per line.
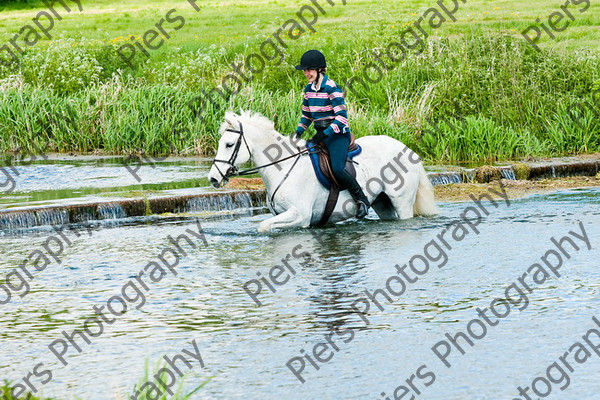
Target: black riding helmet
[312, 59]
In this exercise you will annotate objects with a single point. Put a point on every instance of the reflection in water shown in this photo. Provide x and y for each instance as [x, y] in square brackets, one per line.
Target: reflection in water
[337, 257]
[246, 347]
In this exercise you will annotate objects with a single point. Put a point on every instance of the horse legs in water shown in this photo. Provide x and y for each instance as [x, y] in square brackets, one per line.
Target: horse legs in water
[291, 218]
[387, 166]
[403, 206]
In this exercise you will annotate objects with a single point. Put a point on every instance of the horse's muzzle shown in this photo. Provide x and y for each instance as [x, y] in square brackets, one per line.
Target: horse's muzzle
[215, 182]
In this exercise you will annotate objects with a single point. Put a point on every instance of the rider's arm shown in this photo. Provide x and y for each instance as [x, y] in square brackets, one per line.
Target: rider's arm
[306, 119]
[340, 123]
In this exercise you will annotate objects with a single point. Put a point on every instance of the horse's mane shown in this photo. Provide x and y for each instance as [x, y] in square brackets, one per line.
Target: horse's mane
[252, 118]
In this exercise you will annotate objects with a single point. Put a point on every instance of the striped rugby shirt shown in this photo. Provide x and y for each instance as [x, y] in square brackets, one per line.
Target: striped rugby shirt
[326, 103]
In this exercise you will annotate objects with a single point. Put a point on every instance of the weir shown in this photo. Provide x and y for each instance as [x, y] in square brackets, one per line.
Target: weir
[29, 217]
[561, 170]
[213, 202]
[446, 178]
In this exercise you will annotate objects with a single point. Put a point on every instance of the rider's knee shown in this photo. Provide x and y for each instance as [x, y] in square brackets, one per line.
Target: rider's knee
[338, 172]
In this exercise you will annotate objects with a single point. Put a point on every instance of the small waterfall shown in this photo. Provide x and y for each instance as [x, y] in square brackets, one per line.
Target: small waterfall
[111, 211]
[37, 217]
[52, 216]
[16, 220]
[223, 202]
[243, 200]
[564, 169]
[83, 213]
[445, 178]
[508, 173]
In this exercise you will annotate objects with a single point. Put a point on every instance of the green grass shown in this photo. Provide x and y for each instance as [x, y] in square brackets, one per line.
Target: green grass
[234, 22]
[178, 394]
[509, 101]
[5, 389]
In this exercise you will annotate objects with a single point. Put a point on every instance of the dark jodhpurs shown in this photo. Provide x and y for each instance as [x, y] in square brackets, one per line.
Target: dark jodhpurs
[337, 145]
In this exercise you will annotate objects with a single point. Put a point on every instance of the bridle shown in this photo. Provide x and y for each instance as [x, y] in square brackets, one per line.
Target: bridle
[234, 171]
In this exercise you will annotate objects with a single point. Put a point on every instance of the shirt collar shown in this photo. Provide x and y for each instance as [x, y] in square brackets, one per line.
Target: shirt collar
[316, 87]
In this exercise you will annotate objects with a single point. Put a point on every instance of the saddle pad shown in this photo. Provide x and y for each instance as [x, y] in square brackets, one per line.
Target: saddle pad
[314, 158]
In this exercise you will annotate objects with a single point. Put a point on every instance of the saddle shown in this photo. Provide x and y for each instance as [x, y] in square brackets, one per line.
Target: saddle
[319, 156]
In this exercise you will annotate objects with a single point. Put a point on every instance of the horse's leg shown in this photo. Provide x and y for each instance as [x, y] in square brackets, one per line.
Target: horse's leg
[403, 205]
[403, 198]
[384, 207]
[292, 218]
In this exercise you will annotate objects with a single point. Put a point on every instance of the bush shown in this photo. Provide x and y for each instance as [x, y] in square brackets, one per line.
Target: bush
[65, 67]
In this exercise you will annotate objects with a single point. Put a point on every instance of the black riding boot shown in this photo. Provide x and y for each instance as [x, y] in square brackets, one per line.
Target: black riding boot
[359, 197]
[338, 152]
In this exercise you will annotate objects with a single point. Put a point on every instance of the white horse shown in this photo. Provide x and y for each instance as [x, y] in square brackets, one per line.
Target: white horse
[391, 175]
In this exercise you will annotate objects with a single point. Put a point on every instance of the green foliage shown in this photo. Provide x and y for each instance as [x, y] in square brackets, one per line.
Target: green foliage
[5, 393]
[80, 95]
[574, 132]
[178, 393]
[64, 67]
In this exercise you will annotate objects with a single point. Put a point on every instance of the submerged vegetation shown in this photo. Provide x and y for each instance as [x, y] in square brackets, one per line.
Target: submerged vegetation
[479, 93]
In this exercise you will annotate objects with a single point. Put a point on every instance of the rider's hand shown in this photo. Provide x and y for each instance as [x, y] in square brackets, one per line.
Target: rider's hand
[319, 137]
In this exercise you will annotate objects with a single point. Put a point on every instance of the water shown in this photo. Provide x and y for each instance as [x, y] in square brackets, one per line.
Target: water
[64, 179]
[246, 347]
[445, 178]
[508, 173]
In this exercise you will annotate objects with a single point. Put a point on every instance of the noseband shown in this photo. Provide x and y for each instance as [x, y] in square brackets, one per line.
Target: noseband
[233, 170]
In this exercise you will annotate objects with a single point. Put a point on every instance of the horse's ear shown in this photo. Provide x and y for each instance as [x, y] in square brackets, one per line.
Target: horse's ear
[231, 119]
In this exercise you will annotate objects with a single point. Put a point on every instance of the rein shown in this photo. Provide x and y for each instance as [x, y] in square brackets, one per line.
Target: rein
[251, 171]
[233, 170]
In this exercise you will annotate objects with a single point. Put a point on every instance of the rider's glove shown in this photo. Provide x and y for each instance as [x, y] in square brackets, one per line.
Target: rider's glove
[319, 137]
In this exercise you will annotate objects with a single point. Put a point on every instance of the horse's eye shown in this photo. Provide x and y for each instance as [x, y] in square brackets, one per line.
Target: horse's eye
[229, 145]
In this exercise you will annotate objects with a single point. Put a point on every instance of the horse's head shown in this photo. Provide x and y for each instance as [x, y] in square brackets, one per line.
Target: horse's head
[232, 152]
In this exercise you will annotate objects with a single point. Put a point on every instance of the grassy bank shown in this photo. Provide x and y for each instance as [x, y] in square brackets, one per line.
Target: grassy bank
[477, 92]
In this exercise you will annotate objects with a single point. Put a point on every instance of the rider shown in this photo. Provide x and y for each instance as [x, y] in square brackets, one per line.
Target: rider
[324, 105]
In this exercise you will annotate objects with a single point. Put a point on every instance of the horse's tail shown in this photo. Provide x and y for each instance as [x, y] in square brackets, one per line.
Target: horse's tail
[424, 201]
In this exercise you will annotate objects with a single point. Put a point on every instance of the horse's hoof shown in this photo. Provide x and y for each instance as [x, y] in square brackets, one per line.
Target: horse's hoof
[264, 228]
